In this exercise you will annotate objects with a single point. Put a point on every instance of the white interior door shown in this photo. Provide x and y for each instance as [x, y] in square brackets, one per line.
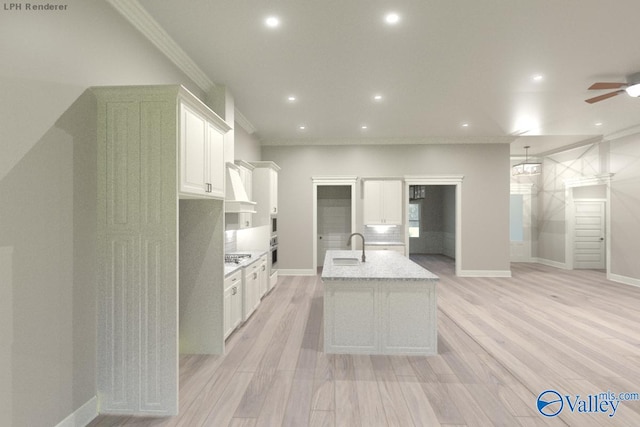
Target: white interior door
[589, 235]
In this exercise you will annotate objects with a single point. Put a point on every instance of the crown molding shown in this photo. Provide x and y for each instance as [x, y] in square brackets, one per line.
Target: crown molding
[138, 16]
[244, 122]
[391, 141]
[632, 130]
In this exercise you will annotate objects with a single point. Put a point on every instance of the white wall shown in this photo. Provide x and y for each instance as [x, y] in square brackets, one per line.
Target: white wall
[47, 196]
[485, 192]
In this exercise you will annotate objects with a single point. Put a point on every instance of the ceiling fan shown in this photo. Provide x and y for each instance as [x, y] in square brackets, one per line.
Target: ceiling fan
[631, 87]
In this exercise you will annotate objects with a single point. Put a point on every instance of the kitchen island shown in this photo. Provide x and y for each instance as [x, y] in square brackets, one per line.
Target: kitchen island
[386, 305]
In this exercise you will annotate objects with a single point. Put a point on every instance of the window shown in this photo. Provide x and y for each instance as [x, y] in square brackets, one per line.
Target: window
[516, 222]
[414, 219]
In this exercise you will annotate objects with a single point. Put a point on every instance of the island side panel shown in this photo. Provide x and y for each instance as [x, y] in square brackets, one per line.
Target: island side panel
[380, 317]
[408, 318]
[352, 318]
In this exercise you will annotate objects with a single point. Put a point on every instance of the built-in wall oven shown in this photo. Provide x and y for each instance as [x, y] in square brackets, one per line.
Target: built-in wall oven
[273, 258]
[274, 225]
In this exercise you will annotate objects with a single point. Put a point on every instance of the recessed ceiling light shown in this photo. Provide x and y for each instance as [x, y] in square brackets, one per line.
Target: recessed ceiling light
[364, 127]
[302, 127]
[291, 98]
[537, 78]
[377, 97]
[392, 18]
[598, 124]
[272, 22]
[465, 125]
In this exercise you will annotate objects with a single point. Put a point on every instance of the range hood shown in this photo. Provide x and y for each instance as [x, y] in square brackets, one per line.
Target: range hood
[236, 200]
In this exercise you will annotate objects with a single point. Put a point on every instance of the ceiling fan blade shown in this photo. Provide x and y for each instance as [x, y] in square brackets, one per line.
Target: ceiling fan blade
[603, 97]
[604, 85]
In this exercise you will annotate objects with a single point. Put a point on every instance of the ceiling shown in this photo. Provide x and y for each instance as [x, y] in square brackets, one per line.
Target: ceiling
[444, 64]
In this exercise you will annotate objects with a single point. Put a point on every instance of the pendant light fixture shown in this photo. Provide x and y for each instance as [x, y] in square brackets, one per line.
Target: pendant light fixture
[526, 167]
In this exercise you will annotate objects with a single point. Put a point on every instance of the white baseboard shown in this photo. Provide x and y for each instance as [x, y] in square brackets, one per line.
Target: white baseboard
[485, 273]
[550, 263]
[623, 279]
[297, 272]
[83, 415]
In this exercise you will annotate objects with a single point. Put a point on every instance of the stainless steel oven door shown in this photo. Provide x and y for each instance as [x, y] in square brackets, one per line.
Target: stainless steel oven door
[273, 259]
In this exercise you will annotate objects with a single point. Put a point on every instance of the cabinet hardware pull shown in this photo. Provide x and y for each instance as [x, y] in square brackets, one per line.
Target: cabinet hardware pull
[264, 267]
[234, 291]
[255, 275]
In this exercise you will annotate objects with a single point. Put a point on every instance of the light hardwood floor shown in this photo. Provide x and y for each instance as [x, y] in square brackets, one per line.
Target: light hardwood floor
[501, 342]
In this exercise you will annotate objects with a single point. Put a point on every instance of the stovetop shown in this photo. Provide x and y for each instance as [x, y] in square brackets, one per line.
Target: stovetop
[236, 258]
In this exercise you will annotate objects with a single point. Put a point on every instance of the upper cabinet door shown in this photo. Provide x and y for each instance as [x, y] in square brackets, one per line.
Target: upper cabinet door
[382, 202]
[274, 191]
[202, 164]
[373, 203]
[216, 163]
[392, 202]
[193, 152]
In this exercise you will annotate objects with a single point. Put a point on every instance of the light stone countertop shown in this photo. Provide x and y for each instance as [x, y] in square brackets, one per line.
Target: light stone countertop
[379, 265]
[230, 268]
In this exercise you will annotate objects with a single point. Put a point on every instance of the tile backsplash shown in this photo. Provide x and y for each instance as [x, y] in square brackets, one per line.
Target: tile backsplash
[230, 241]
[384, 233]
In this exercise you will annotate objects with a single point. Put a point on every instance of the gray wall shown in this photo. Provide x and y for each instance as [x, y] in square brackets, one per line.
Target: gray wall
[247, 146]
[624, 155]
[47, 197]
[551, 200]
[485, 192]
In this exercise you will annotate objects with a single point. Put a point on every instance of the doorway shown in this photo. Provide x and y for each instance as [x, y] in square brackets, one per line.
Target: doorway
[588, 219]
[334, 218]
[589, 234]
[432, 220]
[521, 209]
[439, 220]
[333, 215]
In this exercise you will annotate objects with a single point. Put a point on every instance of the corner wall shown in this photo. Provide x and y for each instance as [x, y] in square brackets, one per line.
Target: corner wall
[624, 158]
[47, 197]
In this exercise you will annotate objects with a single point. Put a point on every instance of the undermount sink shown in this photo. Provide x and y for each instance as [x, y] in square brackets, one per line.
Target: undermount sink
[345, 261]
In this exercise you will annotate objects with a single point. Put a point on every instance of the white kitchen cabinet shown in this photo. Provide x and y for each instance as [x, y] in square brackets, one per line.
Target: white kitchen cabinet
[251, 289]
[232, 302]
[138, 138]
[202, 163]
[263, 276]
[382, 202]
[265, 191]
[396, 248]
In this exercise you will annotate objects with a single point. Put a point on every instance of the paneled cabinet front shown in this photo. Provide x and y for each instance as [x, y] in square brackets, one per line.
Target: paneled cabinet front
[251, 289]
[263, 276]
[138, 137]
[232, 302]
[201, 155]
[137, 362]
[382, 202]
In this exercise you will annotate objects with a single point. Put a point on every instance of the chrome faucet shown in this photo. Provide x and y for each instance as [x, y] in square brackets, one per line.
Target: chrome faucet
[349, 243]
